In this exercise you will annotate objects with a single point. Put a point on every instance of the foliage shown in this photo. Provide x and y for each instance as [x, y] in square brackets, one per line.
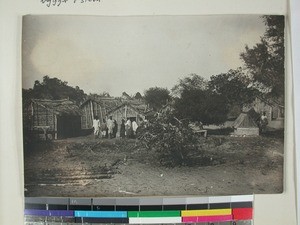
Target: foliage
[190, 82]
[157, 97]
[234, 87]
[171, 138]
[201, 105]
[54, 88]
[265, 61]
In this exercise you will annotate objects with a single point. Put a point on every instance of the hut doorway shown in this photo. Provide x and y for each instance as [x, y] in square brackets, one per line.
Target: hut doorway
[68, 126]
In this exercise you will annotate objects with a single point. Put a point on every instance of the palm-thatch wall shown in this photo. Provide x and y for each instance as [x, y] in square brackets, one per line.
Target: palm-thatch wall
[60, 118]
[118, 108]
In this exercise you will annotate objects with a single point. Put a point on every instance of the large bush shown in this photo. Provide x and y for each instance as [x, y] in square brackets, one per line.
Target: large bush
[171, 138]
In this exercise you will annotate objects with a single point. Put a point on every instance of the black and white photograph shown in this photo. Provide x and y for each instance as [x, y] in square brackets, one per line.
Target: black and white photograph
[130, 106]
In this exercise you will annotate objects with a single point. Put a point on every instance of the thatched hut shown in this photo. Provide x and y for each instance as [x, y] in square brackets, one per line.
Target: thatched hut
[55, 119]
[97, 107]
[118, 108]
[245, 125]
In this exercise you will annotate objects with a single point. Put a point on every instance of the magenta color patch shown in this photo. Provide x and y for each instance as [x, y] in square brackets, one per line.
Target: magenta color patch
[194, 219]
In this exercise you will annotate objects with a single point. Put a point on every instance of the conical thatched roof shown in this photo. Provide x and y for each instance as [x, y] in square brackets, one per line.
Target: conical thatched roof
[244, 121]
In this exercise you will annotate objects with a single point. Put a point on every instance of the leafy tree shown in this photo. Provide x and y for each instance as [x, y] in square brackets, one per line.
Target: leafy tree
[265, 61]
[190, 82]
[234, 86]
[157, 97]
[201, 105]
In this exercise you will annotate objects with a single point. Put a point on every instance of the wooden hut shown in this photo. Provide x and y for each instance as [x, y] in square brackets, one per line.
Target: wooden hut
[55, 119]
[127, 111]
[118, 108]
[96, 107]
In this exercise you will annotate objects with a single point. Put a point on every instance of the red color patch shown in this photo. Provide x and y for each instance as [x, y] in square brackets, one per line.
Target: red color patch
[242, 213]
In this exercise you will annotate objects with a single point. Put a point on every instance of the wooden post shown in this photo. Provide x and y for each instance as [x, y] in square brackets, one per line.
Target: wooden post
[37, 114]
[55, 127]
[126, 112]
[92, 112]
[86, 118]
[101, 113]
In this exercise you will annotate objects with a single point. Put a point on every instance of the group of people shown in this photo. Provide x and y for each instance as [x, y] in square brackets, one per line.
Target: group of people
[109, 128]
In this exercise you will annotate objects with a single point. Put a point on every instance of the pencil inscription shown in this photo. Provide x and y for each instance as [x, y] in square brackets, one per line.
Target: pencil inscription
[58, 3]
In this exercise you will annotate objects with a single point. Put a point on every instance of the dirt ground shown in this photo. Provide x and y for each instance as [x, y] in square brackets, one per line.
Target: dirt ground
[89, 167]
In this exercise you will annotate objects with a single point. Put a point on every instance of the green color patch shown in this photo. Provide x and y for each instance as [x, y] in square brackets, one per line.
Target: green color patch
[154, 214]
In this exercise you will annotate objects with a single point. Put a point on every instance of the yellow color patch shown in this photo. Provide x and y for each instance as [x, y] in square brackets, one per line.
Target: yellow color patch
[206, 212]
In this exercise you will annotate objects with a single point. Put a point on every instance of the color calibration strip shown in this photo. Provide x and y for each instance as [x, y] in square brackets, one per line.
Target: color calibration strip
[202, 210]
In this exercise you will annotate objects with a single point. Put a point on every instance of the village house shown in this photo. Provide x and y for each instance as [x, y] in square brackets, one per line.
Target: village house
[273, 111]
[97, 107]
[52, 119]
[118, 108]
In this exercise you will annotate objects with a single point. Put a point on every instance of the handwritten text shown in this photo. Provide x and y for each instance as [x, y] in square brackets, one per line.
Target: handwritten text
[57, 3]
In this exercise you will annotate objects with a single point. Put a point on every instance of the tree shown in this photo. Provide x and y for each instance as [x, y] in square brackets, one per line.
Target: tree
[157, 97]
[265, 61]
[190, 82]
[201, 105]
[54, 88]
[234, 86]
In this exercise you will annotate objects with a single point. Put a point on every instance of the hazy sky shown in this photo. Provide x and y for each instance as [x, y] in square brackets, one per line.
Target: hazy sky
[131, 54]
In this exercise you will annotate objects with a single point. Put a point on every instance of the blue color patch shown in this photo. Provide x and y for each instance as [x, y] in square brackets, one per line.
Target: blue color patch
[101, 214]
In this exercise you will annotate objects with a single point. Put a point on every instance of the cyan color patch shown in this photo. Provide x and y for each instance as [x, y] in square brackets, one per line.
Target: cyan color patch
[101, 214]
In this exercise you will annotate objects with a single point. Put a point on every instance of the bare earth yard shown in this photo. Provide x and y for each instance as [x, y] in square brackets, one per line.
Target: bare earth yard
[89, 167]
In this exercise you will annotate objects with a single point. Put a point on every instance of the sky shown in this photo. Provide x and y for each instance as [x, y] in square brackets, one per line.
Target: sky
[133, 53]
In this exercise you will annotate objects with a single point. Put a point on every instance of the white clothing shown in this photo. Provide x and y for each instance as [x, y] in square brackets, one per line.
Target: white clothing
[128, 123]
[134, 126]
[96, 126]
[110, 125]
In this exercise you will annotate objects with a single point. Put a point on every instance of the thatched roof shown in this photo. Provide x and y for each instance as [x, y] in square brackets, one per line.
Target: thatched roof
[59, 107]
[138, 108]
[107, 103]
[244, 121]
[110, 104]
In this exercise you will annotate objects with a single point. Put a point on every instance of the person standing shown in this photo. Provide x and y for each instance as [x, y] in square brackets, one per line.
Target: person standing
[128, 128]
[103, 129]
[115, 129]
[96, 126]
[134, 127]
[110, 127]
[263, 122]
[122, 129]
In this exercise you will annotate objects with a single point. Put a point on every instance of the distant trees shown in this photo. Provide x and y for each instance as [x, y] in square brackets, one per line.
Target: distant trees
[190, 82]
[157, 97]
[54, 88]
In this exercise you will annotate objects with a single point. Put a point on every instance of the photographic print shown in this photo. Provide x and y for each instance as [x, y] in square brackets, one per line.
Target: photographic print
[153, 105]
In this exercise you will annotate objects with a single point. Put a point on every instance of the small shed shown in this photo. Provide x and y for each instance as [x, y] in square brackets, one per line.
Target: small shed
[56, 119]
[245, 125]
